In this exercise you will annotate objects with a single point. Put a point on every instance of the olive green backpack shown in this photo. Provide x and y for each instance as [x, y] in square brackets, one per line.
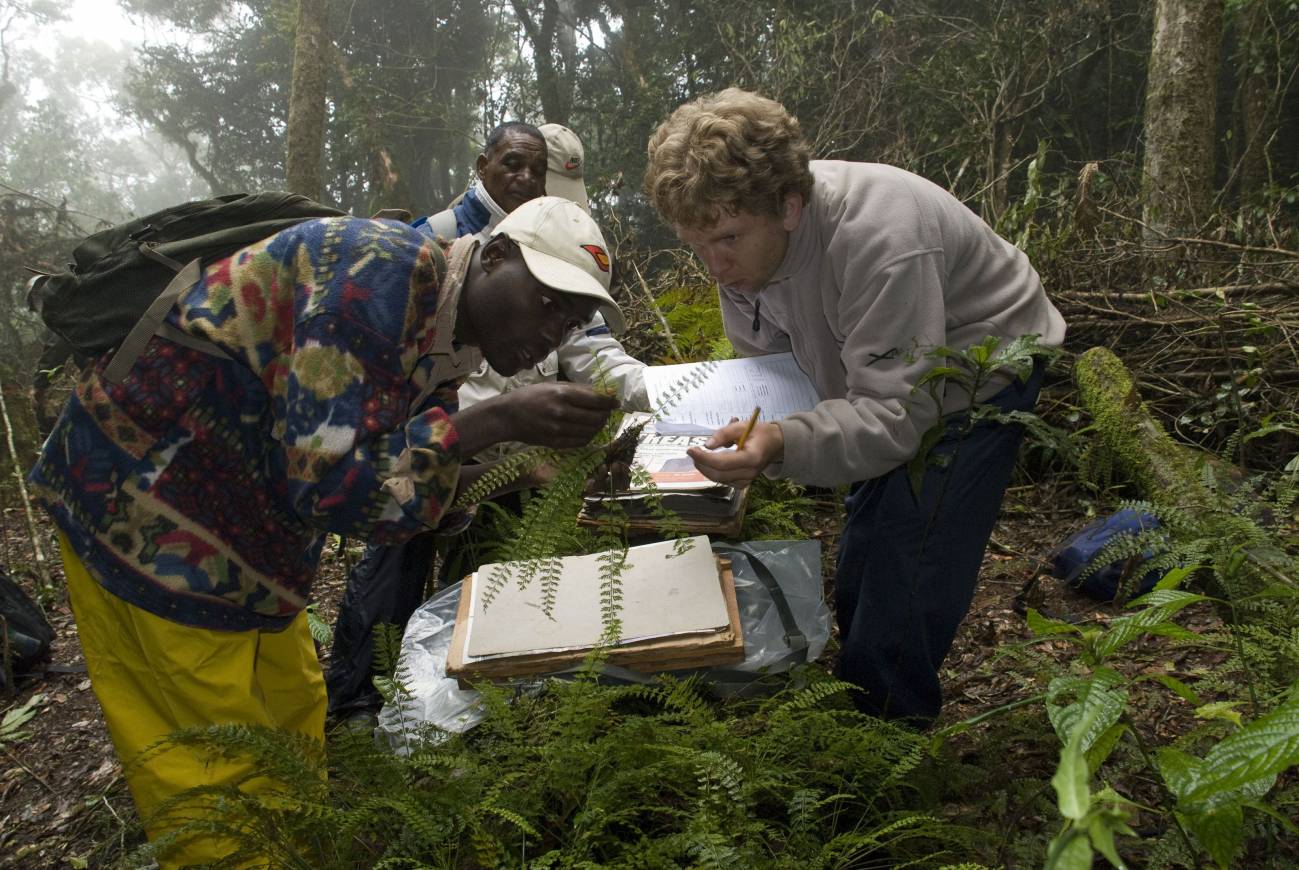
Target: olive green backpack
[122, 281]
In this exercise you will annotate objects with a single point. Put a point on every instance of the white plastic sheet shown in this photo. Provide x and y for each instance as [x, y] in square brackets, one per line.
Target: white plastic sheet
[771, 643]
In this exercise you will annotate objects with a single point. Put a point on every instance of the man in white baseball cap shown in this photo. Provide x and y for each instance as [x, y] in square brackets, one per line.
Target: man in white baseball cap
[564, 249]
[527, 343]
[565, 162]
[569, 256]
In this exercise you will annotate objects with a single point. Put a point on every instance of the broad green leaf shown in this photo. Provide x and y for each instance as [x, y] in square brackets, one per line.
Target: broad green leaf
[1071, 850]
[1224, 710]
[1173, 631]
[1098, 702]
[1181, 771]
[917, 465]
[1021, 354]
[950, 373]
[1071, 779]
[1102, 838]
[943, 351]
[19, 716]
[1270, 811]
[1183, 691]
[1167, 597]
[1070, 782]
[1264, 431]
[1174, 578]
[1103, 746]
[1043, 626]
[1159, 605]
[1220, 831]
[1263, 748]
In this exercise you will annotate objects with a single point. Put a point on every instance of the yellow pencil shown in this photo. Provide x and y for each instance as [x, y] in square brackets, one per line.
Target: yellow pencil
[744, 436]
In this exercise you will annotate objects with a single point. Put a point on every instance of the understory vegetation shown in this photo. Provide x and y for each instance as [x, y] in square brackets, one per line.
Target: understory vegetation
[1156, 729]
[1164, 733]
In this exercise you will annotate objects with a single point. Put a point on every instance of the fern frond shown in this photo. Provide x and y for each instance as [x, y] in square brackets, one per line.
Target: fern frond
[505, 471]
[678, 389]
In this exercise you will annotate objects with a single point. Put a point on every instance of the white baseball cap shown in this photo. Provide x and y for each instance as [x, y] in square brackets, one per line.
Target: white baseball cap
[564, 249]
[564, 163]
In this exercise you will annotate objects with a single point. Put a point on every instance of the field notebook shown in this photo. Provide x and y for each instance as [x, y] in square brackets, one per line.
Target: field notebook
[678, 611]
[700, 505]
[730, 390]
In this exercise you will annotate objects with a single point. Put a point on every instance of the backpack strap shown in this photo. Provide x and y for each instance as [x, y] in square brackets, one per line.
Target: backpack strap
[393, 214]
[33, 288]
[150, 250]
[151, 323]
[794, 637]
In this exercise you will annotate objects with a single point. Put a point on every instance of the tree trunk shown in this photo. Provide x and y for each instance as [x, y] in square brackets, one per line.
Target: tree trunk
[1179, 116]
[554, 54]
[306, 133]
[1255, 100]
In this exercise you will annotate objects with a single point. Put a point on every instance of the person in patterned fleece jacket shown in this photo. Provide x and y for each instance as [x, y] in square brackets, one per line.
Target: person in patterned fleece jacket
[194, 496]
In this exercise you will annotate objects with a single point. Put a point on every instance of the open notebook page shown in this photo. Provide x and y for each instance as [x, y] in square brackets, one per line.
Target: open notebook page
[773, 382]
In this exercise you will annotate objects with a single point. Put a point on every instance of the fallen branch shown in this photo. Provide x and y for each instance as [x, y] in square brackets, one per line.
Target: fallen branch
[1152, 459]
[33, 774]
[1156, 295]
[1249, 249]
[653, 306]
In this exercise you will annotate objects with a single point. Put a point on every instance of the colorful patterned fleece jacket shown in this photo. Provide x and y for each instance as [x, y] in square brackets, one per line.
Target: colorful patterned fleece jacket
[201, 489]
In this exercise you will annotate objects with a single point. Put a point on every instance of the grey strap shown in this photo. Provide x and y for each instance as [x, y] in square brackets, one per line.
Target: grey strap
[151, 323]
[33, 287]
[150, 250]
[180, 336]
[794, 637]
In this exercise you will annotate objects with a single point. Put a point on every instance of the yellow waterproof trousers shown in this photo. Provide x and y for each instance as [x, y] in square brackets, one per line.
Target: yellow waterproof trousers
[153, 676]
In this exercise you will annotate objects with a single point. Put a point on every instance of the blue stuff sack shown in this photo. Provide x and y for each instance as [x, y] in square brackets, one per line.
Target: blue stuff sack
[1072, 559]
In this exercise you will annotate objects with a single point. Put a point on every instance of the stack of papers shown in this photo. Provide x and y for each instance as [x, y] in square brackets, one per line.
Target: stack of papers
[677, 486]
[731, 390]
[677, 611]
[722, 391]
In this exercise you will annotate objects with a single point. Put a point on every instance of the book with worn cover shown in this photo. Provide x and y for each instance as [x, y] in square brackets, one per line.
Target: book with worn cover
[667, 479]
[677, 611]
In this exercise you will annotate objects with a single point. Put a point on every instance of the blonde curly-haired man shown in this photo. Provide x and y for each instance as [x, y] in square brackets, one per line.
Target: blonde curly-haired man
[859, 269]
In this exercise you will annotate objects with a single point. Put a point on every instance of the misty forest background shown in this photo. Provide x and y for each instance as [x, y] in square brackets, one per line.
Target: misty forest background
[1141, 151]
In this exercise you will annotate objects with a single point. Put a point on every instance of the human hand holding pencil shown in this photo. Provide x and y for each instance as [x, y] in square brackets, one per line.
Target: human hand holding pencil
[757, 445]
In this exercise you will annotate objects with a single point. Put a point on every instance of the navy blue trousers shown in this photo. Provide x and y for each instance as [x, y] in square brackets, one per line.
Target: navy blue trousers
[385, 587]
[907, 567]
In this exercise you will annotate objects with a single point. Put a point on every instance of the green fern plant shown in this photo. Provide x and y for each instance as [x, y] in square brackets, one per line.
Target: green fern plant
[1089, 711]
[547, 529]
[319, 627]
[585, 774]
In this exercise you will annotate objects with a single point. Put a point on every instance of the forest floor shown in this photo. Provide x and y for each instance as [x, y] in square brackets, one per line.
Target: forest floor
[63, 802]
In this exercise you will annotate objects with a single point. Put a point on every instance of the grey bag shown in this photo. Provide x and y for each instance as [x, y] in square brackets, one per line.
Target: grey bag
[783, 615]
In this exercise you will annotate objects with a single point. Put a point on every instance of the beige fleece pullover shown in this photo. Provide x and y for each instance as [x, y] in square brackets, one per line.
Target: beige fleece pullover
[883, 267]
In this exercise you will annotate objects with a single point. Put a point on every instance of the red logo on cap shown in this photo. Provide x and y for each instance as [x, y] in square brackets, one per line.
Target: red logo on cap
[572, 163]
[598, 254]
